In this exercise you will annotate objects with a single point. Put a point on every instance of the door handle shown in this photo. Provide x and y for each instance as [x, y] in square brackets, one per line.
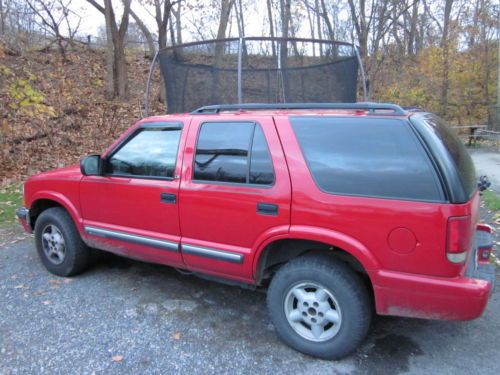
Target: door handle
[267, 209]
[168, 198]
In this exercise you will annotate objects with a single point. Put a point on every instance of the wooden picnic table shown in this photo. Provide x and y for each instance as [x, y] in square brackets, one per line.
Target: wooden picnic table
[472, 131]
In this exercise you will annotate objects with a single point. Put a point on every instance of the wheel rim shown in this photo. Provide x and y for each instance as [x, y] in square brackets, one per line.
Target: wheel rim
[312, 311]
[53, 244]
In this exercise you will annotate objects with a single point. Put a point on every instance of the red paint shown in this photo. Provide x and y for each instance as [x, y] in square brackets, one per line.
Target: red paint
[401, 244]
[402, 240]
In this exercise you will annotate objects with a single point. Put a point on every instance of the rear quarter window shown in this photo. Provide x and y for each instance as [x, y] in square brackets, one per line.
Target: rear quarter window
[374, 157]
[456, 149]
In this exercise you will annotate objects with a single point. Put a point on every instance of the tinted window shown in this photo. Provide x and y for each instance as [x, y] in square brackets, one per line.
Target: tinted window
[261, 166]
[150, 153]
[233, 152]
[457, 151]
[369, 157]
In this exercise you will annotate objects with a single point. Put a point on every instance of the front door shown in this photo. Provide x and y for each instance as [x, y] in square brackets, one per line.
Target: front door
[132, 209]
[235, 193]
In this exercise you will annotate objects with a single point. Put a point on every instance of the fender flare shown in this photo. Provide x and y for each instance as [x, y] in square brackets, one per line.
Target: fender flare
[63, 201]
[324, 235]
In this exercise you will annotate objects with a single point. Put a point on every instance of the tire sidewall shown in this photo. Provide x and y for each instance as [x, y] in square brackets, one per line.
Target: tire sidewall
[60, 220]
[351, 307]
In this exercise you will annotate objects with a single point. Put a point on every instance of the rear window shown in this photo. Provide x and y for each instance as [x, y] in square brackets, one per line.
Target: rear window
[457, 151]
[366, 157]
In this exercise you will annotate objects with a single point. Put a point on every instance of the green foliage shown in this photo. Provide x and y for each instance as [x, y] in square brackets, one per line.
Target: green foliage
[22, 97]
[491, 200]
[10, 199]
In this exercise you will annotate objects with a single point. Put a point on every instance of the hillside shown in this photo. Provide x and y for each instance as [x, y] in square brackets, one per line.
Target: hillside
[52, 114]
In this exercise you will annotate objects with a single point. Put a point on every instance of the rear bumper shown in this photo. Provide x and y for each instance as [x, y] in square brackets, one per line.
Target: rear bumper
[418, 296]
[23, 215]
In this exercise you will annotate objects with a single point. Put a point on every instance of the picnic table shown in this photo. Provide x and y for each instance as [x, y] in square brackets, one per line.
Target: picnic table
[472, 132]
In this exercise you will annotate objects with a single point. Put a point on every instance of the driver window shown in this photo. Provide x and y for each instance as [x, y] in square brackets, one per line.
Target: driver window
[150, 153]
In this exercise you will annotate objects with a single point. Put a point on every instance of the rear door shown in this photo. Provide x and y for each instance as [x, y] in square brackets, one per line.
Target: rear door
[235, 192]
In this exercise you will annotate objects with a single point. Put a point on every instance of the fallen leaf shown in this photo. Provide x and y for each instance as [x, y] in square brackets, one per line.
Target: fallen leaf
[54, 281]
[117, 358]
[46, 302]
[38, 293]
[67, 280]
[176, 336]
[20, 286]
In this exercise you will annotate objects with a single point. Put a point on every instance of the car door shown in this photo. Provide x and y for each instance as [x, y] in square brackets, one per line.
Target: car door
[132, 208]
[235, 193]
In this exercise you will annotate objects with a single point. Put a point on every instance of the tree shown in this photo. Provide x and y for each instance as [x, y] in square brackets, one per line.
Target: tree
[147, 34]
[117, 81]
[225, 11]
[53, 16]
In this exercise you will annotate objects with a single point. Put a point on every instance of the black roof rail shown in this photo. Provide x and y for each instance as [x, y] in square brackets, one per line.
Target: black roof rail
[366, 106]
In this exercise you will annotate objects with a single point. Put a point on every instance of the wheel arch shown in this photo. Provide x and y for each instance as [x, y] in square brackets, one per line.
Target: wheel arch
[300, 240]
[47, 199]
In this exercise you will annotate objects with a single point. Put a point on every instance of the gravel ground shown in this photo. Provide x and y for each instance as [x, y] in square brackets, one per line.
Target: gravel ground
[488, 163]
[127, 317]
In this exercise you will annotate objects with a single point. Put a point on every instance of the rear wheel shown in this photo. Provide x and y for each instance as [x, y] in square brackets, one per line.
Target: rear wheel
[319, 306]
[58, 243]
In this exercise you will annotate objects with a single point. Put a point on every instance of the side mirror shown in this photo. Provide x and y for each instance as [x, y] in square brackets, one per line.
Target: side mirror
[91, 165]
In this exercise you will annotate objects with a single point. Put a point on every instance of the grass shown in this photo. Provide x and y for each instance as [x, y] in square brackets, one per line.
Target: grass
[491, 200]
[10, 199]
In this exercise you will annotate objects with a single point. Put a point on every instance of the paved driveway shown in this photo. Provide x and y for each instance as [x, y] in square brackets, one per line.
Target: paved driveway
[488, 163]
[152, 320]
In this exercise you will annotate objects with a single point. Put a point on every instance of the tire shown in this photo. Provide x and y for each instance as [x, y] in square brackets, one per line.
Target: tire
[332, 317]
[58, 243]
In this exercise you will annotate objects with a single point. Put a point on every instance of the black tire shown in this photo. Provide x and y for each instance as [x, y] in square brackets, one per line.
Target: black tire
[344, 285]
[76, 254]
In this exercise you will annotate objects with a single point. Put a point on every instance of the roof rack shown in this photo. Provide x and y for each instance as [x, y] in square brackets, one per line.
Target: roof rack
[372, 108]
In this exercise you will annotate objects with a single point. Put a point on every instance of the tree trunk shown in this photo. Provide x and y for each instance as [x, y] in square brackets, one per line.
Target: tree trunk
[178, 23]
[110, 55]
[360, 25]
[2, 18]
[147, 34]
[225, 11]
[116, 64]
[271, 24]
[329, 26]
[446, 59]
[412, 35]
[162, 17]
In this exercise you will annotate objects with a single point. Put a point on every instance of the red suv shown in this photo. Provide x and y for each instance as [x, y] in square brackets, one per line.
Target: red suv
[338, 209]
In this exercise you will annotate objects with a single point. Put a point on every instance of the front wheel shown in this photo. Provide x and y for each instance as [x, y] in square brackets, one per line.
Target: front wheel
[319, 306]
[58, 243]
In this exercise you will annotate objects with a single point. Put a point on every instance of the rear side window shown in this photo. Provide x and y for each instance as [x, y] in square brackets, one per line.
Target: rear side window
[234, 152]
[457, 151]
[366, 157]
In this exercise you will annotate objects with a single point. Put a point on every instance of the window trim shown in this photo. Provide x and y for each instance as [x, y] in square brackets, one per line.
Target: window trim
[416, 139]
[156, 125]
[249, 157]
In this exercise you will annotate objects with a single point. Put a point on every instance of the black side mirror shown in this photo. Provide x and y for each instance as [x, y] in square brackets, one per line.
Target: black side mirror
[91, 165]
[483, 183]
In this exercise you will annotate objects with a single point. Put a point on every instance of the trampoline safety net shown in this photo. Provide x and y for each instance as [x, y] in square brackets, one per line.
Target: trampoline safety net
[258, 70]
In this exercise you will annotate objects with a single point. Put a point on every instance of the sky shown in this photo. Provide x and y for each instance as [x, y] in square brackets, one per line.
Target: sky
[255, 12]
